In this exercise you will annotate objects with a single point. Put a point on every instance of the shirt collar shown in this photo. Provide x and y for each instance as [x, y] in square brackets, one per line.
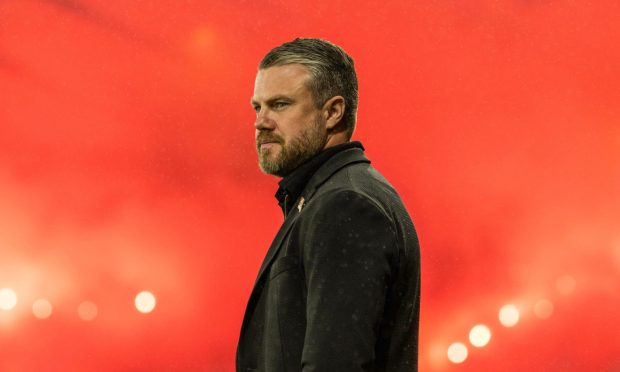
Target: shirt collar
[292, 185]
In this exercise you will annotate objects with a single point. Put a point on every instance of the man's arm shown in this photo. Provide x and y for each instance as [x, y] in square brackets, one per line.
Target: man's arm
[348, 248]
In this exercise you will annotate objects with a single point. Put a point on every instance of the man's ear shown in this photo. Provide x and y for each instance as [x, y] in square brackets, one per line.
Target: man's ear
[333, 111]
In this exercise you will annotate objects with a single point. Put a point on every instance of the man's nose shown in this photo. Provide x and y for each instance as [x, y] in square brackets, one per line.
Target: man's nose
[264, 120]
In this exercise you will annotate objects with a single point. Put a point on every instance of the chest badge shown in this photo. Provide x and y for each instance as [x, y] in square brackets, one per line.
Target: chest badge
[300, 204]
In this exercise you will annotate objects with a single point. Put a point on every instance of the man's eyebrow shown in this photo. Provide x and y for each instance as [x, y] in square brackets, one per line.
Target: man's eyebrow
[271, 100]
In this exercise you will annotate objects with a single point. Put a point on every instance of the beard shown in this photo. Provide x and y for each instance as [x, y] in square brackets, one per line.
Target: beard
[293, 153]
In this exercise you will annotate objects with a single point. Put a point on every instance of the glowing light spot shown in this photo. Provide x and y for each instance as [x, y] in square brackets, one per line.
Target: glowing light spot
[509, 315]
[480, 335]
[202, 43]
[566, 285]
[8, 299]
[436, 355]
[42, 309]
[87, 311]
[145, 302]
[457, 352]
[543, 308]
[203, 37]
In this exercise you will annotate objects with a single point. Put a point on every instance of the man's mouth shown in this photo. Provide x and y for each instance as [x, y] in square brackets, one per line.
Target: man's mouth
[264, 143]
[267, 144]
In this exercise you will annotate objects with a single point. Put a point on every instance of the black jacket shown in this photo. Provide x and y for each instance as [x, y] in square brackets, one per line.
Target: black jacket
[339, 288]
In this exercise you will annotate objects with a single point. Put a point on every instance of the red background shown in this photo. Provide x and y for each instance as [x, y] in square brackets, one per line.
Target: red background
[127, 163]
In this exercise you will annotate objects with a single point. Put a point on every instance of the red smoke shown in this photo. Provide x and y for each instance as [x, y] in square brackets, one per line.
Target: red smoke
[127, 163]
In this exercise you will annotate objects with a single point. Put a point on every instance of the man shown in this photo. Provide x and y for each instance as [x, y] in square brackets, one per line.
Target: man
[339, 289]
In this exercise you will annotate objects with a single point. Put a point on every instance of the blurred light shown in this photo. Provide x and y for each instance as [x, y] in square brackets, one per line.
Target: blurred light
[543, 309]
[42, 309]
[480, 335]
[202, 42]
[436, 355]
[509, 315]
[565, 285]
[203, 36]
[8, 299]
[87, 310]
[457, 352]
[145, 302]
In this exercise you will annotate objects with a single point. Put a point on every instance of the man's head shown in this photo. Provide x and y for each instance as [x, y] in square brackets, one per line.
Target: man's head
[305, 97]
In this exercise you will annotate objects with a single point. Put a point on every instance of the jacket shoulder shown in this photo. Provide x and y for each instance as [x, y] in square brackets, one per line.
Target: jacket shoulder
[360, 179]
[355, 185]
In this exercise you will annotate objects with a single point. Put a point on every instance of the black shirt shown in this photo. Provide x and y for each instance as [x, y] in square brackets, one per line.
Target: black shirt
[292, 185]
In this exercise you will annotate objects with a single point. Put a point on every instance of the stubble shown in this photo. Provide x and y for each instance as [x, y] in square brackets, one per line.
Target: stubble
[292, 153]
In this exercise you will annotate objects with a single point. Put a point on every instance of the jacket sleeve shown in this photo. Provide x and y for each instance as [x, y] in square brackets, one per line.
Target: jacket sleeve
[348, 252]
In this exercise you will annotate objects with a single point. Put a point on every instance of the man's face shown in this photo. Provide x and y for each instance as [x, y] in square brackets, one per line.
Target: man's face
[289, 127]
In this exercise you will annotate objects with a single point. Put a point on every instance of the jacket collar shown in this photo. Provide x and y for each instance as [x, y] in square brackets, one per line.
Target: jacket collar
[291, 186]
[333, 165]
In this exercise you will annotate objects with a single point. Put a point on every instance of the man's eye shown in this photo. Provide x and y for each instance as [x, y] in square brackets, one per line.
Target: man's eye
[257, 109]
[280, 105]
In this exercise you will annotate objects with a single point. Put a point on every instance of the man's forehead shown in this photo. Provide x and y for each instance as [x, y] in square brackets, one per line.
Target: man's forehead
[277, 80]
